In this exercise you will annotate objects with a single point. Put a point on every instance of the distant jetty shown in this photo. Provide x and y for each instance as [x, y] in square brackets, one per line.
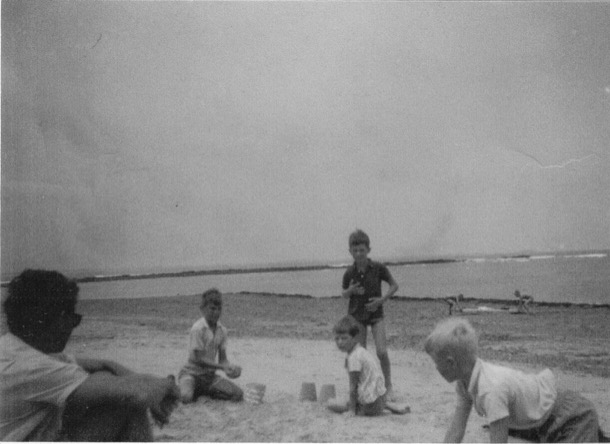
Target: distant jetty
[190, 273]
[293, 268]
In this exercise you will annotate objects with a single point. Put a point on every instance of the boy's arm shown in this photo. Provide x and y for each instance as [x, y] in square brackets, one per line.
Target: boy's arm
[375, 303]
[354, 379]
[231, 370]
[457, 429]
[393, 289]
[498, 430]
[205, 362]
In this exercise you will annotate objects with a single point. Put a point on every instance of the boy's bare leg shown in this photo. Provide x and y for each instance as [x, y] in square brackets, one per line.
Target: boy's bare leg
[107, 423]
[382, 353]
[396, 408]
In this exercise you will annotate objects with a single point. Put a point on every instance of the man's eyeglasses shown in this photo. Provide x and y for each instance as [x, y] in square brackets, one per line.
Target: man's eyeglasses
[75, 317]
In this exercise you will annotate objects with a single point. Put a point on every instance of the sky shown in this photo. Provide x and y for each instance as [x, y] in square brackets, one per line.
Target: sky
[177, 135]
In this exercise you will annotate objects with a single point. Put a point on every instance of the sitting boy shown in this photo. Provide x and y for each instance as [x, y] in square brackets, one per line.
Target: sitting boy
[367, 390]
[525, 405]
[207, 340]
[48, 395]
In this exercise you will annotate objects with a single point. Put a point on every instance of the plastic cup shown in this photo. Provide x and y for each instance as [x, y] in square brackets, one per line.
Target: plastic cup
[308, 392]
[254, 393]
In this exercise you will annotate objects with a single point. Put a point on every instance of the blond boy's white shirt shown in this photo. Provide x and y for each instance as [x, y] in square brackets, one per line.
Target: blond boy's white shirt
[372, 384]
[499, 392]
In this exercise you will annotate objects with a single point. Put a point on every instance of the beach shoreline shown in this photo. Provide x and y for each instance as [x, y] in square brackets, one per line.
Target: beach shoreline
[567, 337]
[283, 341]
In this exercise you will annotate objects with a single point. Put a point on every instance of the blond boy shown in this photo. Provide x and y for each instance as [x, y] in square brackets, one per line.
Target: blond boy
[525, 405]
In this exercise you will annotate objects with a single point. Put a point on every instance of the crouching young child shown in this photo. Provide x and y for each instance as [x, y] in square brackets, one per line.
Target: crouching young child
[528, 406]
[366, 383]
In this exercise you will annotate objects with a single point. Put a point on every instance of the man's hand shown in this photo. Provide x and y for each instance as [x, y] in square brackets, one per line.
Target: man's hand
[160, 395]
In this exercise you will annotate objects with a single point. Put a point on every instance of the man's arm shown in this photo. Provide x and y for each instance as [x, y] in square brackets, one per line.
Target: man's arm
[139, 390]
[457, 429]
[99, 365]
[498, 430]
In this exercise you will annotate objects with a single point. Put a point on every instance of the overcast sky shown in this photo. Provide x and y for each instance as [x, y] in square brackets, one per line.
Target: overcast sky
[146, 135]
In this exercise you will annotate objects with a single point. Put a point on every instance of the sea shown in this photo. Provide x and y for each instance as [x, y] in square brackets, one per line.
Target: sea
[582, 278]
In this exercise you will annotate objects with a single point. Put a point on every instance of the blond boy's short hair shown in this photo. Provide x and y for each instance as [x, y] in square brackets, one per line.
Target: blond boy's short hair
[455, 337]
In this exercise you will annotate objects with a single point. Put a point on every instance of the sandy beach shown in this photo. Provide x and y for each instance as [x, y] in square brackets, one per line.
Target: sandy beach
[284, 341]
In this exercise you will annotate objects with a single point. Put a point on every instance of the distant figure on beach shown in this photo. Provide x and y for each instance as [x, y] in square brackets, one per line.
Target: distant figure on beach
[362, 285]
[526, 406]
[367, 389]
[524, 302]
[48, 395]
[454, 303]
[207, 342]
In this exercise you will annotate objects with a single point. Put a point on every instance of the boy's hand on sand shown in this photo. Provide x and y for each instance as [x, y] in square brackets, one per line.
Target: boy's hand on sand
[356, 288]
[233, 371]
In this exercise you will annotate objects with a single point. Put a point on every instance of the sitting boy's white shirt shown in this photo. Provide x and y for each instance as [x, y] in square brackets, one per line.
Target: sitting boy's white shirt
[372, 384]
[203, 338]
[499, 392]
[34, 388]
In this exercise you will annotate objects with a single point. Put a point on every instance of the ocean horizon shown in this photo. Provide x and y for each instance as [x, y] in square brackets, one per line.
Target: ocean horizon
[575, 277]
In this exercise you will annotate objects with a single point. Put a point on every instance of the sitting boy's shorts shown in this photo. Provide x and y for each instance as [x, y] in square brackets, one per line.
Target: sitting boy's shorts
[211, 385]
[573, 419]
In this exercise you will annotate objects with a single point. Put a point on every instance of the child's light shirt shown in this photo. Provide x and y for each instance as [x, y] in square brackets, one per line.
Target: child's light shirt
[203, 338]
[34, 388]
[371, 385]
[499, 392]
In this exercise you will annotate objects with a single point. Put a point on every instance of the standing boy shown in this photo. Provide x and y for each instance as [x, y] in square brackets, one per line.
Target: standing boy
[47, 395]
[207, 341]
[362, 285]
[528, 406]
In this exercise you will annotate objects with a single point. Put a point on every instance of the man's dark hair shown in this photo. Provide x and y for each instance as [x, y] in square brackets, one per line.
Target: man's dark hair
[35, 298]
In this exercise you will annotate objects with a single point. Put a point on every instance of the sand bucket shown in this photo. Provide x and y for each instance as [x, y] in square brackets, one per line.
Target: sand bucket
[308, 392]
[327, 392]
[254, 393]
